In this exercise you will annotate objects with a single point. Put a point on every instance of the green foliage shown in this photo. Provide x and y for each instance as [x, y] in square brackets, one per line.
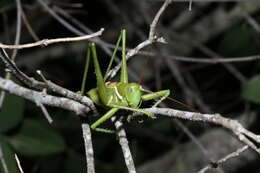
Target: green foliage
[9, 157]
[11, 113]
[33, 139]
[251, 92]
[28, 139]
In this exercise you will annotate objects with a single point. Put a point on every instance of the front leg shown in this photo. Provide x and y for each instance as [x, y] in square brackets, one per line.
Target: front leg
[163, 94]
[150, 115]
[101, 120]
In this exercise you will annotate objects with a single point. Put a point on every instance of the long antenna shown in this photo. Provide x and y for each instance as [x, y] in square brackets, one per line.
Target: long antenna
[143, 70]
[176, 101]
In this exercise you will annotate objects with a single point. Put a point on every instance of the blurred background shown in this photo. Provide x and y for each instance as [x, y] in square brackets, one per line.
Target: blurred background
[210, 62]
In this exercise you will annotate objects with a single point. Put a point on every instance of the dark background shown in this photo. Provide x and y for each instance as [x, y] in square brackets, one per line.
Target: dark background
[211, 30]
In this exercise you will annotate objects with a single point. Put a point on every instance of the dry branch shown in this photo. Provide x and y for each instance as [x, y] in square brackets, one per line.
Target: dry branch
[224, 159]
[88, 147]
[124, 145]
[31, 82]
[43, 98]
[46, 42]
[2, 161]
[150, 40]
[245, 136]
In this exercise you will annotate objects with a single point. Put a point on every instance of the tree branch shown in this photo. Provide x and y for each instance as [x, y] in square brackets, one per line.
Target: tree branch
[151, 39]
[124, 145]
[2, 160]
[31, 82]
[46, 42]
[242, 134]
[224, 159]
[88, 148]
[43, 98]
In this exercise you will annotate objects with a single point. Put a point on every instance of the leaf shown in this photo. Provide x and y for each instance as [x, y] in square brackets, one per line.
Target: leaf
[9, 157]
[11, 112]
[34, 139]
[251, 92]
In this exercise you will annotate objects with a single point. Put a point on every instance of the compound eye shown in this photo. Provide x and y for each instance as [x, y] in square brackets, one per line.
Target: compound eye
[130, 90]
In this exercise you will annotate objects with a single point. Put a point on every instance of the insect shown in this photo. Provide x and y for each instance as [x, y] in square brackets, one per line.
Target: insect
[119, 95]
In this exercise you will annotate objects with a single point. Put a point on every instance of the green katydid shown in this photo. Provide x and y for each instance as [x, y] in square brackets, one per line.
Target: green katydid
[118, 95]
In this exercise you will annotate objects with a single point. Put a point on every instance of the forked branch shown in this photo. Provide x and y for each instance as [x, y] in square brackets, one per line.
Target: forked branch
[150, 40]
[244, 135]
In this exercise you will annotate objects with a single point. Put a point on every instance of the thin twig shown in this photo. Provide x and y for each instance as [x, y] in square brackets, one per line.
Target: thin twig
[17, 40]
[124, 145]
[45, 112]
[80, 25]
[252, 22]
[88, 148]
[31, 82]
[204, 60]
[190, 5]
[18, 163]
[224, 159]
[18, 27]
[3, 162]
[71, 27]
[2, 96]
[194, 139]
[29, 27]
[156, 18]
[46, 42]
[59, 19]
[151, 39]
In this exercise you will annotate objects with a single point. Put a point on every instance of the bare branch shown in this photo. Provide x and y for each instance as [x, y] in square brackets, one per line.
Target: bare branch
[17, 40]
[156, 18]
[2, 160]
[124, 145]
[204, 60]
[88, 147]
[74, 21]
[18, 27]
[60, 19]
[194, 139]
[242, 134]
[45, 112]
[29, 27]
[46, 42]
[151, 39]
[18, 163]
[224, 159]
[31, 82]
[42, 98]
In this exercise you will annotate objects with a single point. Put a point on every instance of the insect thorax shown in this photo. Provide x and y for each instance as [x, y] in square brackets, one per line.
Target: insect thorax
[117, 93]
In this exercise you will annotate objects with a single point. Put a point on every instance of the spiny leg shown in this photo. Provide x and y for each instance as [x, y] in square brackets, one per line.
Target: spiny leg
[150, 115]
[163, 94]
[101, 120]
